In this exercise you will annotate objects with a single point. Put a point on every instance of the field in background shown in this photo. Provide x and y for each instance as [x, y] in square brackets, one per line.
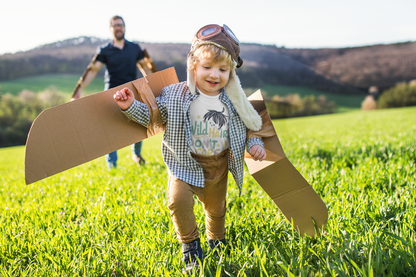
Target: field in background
[88, 221]
[64, 83]
[344, 103]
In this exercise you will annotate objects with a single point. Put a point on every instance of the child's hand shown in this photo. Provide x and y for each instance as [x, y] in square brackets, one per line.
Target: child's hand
[124, 98]
[257, 152]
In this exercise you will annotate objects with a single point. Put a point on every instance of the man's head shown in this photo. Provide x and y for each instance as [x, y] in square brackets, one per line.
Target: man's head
[117, 27]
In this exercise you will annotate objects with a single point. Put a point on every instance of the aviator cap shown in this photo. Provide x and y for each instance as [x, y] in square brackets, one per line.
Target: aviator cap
[222, 37]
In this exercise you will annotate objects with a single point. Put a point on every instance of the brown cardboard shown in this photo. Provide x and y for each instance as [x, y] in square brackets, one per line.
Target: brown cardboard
[277, 176]
[82, 130]
[149, 61]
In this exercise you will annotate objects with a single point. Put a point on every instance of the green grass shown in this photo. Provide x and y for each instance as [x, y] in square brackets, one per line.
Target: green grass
[64, 83]
[88, 221]
[343, 102]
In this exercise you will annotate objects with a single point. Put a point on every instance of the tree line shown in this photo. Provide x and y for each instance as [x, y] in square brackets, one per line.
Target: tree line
[294, 106]
[263, 64]
[14, 68]
[17, 113]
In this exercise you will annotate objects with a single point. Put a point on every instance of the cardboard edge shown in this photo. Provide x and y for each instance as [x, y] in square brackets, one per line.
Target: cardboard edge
[158, 81]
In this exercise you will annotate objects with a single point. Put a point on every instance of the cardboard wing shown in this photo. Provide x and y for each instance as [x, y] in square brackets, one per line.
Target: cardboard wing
[80, 131]
[149, 61]
[292, 194]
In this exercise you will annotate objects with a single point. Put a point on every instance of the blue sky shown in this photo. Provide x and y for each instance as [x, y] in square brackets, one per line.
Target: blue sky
[293, 24]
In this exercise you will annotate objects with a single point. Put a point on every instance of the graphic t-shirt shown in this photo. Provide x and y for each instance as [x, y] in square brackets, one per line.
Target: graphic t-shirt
[209, 119]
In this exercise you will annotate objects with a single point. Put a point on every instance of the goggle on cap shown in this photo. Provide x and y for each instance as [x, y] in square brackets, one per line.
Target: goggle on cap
[222, 37]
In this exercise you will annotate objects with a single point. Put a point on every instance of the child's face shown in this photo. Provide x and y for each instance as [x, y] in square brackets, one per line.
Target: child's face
[210, 76]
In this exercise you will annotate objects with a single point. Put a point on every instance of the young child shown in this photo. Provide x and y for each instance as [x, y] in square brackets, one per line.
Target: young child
[206, 123]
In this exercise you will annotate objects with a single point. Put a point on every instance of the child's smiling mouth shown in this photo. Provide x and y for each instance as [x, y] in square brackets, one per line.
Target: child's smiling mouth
[212, 82]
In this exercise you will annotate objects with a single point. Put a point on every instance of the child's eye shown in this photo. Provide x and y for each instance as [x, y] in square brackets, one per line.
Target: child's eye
[206, 67]
[224, 70]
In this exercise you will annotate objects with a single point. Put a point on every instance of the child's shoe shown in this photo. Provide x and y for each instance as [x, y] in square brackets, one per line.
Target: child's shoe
[191, 253]
[217, 246]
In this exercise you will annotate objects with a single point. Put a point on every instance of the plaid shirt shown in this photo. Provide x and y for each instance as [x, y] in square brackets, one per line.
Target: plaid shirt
[174, 104]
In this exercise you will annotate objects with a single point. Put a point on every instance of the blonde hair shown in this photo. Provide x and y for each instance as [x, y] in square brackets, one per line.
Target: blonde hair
[210, 51]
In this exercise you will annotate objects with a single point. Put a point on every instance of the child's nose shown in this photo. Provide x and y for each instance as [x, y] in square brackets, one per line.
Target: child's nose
[214, 73]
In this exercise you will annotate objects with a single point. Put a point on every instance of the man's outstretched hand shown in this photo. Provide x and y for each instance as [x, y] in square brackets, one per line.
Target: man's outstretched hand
[124, 98]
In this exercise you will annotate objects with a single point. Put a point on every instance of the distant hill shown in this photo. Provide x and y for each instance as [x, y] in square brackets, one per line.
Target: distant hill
[347, 71]
[361, 67]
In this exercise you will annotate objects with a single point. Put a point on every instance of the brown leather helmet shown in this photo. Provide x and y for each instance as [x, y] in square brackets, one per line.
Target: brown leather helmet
[222, 37]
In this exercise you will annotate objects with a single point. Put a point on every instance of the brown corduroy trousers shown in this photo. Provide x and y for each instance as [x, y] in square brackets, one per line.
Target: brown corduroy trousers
[212, 195]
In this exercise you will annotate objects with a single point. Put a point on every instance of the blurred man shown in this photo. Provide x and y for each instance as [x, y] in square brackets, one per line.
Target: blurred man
[121, 58]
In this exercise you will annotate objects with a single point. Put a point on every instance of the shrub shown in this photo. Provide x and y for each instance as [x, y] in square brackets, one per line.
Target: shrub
[369, 103]
[294, 106]
[401, 95]
[18, 112]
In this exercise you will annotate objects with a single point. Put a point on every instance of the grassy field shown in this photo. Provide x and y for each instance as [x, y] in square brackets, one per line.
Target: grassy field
[344, 103]
[88, 221]
[64, 83]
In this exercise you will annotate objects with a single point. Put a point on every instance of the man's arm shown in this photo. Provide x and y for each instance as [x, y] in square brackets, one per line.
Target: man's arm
[84, 81]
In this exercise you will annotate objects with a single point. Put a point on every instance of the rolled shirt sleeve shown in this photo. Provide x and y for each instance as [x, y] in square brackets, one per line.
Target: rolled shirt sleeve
[138, 112]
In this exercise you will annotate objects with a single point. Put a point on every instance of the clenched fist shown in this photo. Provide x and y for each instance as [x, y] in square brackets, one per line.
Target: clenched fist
[124, 98]
[257, 152]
